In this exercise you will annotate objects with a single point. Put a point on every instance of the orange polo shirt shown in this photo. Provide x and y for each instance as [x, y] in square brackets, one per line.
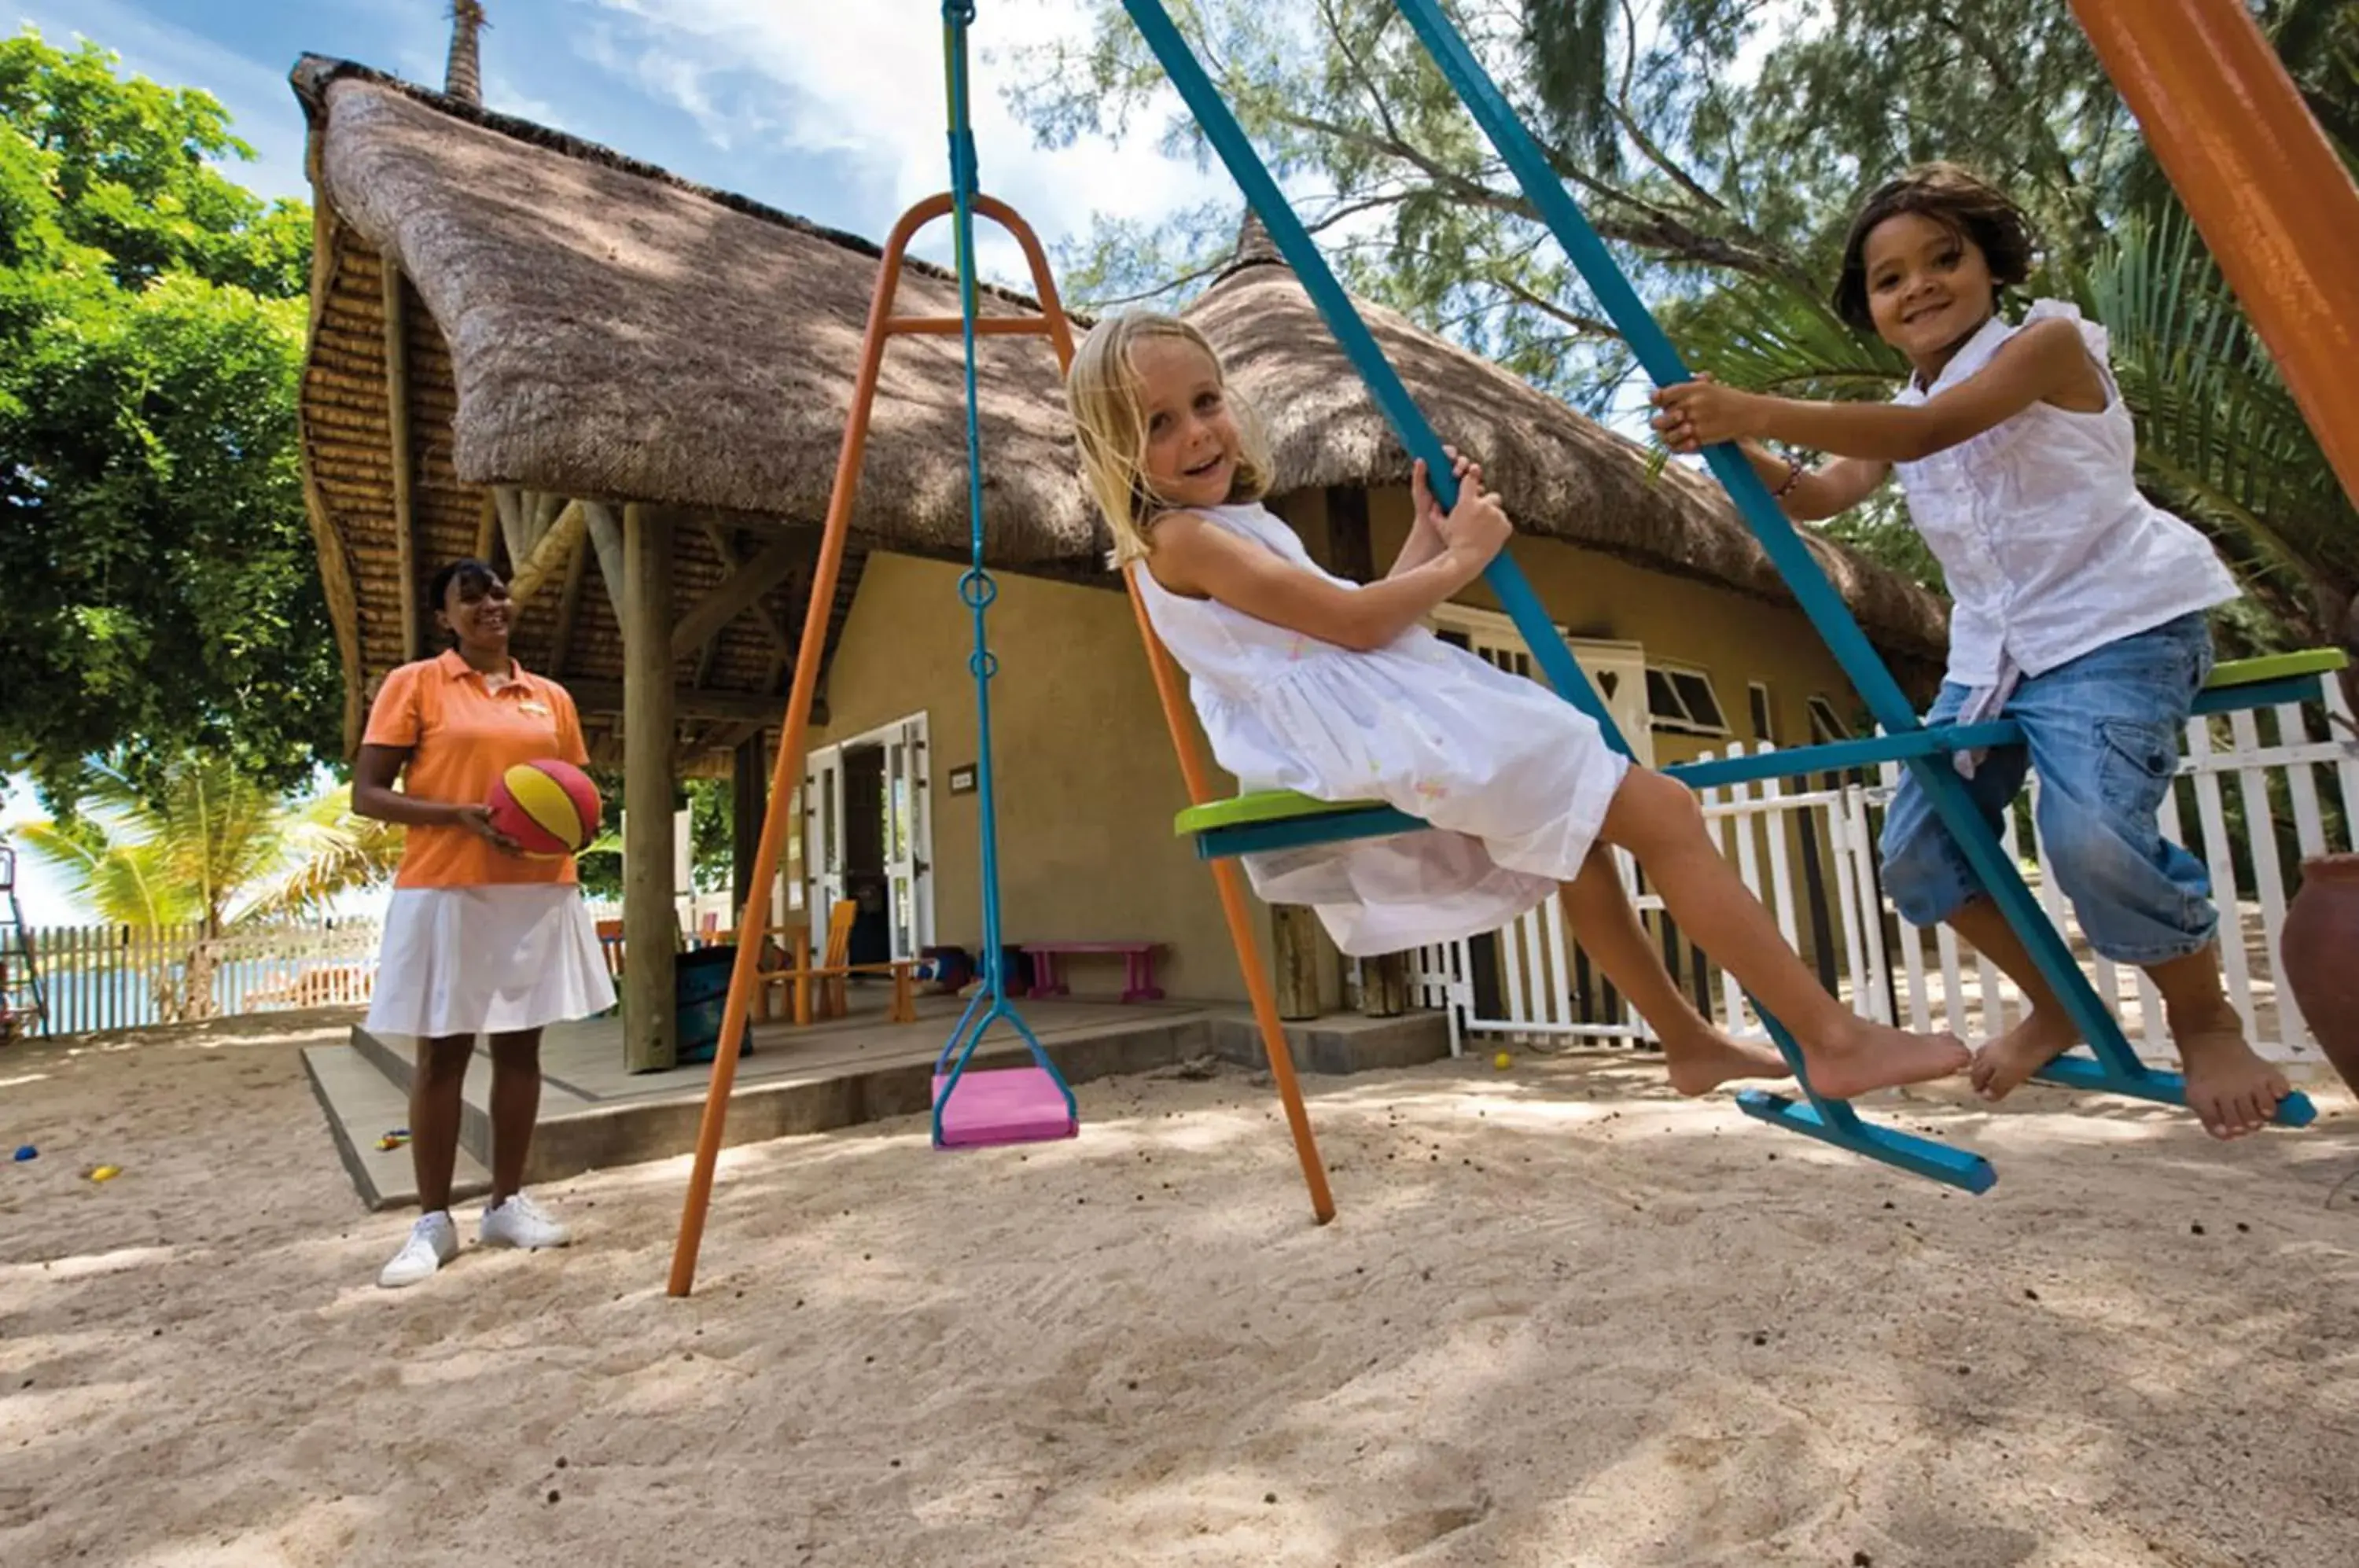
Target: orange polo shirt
[462, 737]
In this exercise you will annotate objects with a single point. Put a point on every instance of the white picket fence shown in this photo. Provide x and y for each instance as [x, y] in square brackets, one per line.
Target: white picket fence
[1808, 850]
[110, 977]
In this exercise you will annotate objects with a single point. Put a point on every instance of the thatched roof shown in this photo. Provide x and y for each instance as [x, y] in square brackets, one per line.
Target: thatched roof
[586, 325]
[1559, 475]
[616, 330]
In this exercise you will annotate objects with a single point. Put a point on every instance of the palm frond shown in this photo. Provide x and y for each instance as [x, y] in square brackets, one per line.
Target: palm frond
[204, 844]
[325, 852]
[2218, 432]
[123, 883]
[1768, 335]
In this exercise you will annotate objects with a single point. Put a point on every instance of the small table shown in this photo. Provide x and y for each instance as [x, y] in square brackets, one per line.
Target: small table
[1138, 957]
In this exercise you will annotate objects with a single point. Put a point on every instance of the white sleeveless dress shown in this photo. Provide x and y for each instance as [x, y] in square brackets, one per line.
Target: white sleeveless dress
[1514, 779]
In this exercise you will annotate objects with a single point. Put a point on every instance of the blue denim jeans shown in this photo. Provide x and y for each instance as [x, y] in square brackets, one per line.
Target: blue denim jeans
[2102, 734]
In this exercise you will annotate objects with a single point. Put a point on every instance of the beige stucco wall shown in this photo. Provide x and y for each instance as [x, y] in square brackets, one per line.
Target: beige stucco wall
[1087, 784]
[1085, 781]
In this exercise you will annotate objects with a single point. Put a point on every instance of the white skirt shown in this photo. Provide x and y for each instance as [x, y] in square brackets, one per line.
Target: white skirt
[1514, 781]
[488, 960]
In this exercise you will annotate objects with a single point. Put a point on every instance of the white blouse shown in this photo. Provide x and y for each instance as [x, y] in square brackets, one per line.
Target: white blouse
[2049, 550]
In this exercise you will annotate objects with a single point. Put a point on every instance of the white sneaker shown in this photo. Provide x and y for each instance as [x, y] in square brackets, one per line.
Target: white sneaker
[520, 1221]
[433, 1241]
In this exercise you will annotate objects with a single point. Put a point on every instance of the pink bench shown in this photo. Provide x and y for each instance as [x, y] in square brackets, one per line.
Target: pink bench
[1138, 957]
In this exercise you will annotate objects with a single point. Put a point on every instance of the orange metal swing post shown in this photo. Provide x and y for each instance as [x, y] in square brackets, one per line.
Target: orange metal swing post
[1234, 910]
[754, 921]
[2276, 206]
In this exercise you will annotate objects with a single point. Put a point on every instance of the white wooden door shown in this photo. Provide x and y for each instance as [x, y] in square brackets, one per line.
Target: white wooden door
[823, 839]
[908, 837]
[1618, 670]
[904, 807]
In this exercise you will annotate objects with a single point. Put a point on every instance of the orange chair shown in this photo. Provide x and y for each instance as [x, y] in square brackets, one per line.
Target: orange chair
[827, 998]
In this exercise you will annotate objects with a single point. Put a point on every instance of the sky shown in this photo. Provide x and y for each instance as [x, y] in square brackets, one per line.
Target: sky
[828, 109]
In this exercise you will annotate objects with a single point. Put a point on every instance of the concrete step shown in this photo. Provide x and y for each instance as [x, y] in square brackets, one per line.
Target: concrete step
[361, 1105]
[594, 1115]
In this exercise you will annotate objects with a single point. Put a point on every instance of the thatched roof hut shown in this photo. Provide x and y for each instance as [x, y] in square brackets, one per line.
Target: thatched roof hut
[499, 309]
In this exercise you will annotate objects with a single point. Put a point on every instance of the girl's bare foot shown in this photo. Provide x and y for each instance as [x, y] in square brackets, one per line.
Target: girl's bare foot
[1859, 1056]
[2230, 1090]
[2004, 1063]
[1701, 1060]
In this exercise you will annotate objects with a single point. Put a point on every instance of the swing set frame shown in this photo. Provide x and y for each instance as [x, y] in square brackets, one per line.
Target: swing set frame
[2265, 188]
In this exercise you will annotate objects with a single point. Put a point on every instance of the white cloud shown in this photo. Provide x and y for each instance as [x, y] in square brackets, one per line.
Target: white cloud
[861, 81]
[261, 105]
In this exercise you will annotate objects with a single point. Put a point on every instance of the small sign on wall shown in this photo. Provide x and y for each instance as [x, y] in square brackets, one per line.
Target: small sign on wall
[962, 780]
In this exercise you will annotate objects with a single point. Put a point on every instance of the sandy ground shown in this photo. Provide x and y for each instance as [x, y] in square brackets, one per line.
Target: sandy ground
[1564, 1319]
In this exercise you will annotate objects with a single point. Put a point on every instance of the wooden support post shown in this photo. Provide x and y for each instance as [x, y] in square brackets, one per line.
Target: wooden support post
[650, 926]
[396, 401]
[738, 592]
[607, 537]
[749, 776]
[1384, 986]
[569, 609]
[595, 696]
[1296, 936]
[487, 524]
[515, 525]
[1351, 549]
[718, 536]
[557, 547]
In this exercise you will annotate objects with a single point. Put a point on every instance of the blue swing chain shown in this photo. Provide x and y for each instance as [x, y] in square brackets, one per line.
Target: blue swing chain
[977, 590]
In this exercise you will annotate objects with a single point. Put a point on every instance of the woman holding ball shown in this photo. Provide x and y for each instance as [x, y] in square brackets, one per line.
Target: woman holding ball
[480, 937]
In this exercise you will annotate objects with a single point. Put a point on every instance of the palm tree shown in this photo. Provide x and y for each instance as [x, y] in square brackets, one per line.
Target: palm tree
[208, 848]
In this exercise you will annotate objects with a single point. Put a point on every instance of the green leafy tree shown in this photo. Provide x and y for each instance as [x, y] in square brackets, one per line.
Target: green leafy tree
[163, 590]
[711, 853]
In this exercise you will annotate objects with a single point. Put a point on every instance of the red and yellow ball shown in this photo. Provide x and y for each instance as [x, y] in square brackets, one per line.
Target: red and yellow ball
[549, 807]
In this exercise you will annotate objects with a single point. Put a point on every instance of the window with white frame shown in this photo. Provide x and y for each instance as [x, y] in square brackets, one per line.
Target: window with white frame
[1617, 669]
[1826, 725]
[1764, 714]
[1487, 635]
[1680, 698]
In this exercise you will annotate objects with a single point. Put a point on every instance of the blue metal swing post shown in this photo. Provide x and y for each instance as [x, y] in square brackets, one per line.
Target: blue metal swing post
[1832, 1121]
[977, 590]
[2114, 1066]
